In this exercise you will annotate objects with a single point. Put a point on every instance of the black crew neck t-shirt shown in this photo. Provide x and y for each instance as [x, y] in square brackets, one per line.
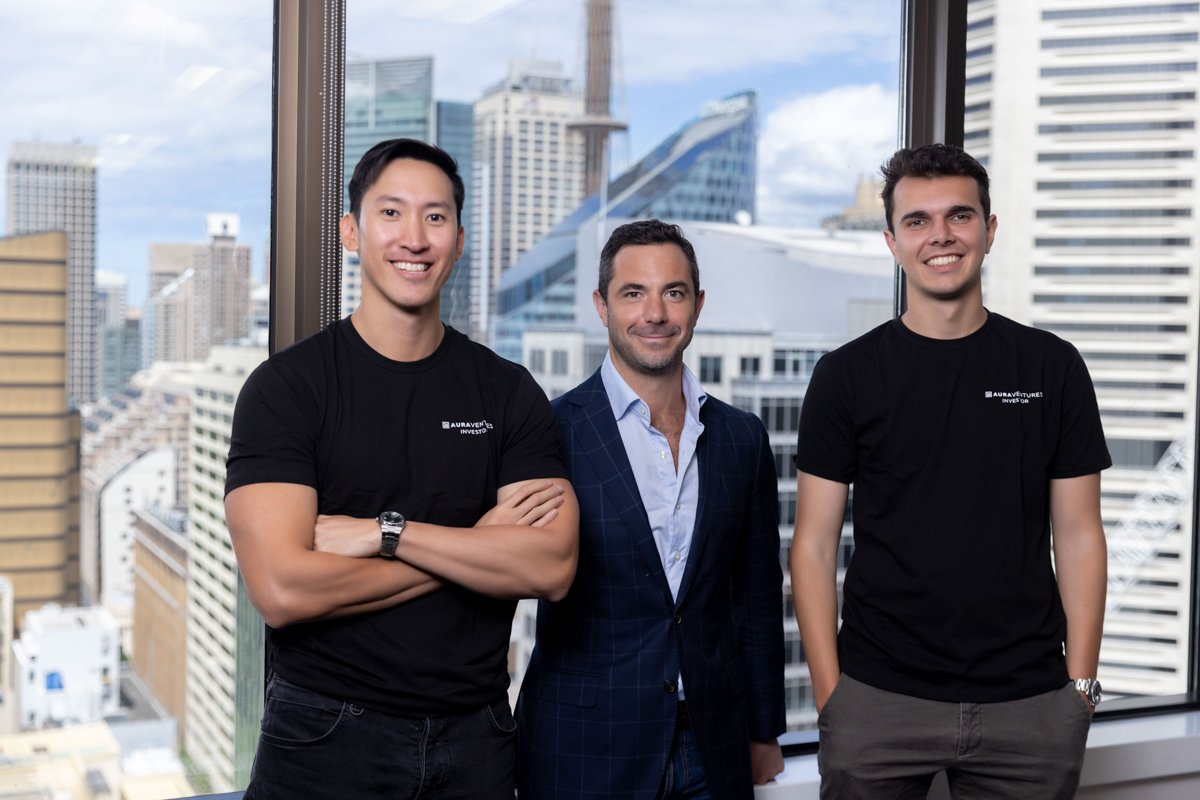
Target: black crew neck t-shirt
[951, 444]
[432, 439]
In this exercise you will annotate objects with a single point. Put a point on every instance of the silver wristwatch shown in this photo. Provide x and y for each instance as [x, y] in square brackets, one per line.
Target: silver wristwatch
[391, 524]
[1090, 688]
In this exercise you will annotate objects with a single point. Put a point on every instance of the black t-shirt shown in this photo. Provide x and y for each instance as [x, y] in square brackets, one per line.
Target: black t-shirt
[950, 445]
[433, 439]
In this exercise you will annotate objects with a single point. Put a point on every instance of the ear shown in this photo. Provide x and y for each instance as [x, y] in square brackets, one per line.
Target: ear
[601, 306]
[699, 306]
[348, 226]
[890, 238]
[991, 233]
[462, 241]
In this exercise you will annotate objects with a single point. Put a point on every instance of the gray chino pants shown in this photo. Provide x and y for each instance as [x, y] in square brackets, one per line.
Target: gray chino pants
[877, 744]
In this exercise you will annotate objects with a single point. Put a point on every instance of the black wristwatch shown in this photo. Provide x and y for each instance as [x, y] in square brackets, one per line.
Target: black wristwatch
[391, 524]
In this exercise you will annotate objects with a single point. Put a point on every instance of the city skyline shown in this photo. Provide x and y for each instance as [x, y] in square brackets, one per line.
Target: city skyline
[189, 130]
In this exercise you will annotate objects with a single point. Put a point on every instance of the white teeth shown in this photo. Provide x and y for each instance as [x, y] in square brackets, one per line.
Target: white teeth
[942, 261]
[409, 266]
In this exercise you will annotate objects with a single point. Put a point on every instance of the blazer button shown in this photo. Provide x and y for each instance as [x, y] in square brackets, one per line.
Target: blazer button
[678, 619]
[670, 687]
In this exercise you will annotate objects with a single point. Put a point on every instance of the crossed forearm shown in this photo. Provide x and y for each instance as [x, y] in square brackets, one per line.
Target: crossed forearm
[506, 561]
[311, 586]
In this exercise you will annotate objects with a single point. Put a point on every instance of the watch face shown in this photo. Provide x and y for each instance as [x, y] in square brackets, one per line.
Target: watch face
[391, 518]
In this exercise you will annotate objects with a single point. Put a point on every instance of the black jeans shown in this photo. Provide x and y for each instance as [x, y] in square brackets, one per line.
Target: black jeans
[315, 746]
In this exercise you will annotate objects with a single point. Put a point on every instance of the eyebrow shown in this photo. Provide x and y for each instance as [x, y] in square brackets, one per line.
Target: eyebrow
[637, 287]
[390, 198]
[919, 214]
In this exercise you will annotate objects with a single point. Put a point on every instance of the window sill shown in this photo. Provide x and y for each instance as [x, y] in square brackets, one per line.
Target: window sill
[1158, 757]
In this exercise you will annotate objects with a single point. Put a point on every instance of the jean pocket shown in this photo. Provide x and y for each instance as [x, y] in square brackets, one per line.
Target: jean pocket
[500, 717]
[297, 717]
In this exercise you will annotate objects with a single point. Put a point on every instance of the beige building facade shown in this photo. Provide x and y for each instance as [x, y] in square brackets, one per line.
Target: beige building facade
[160, 607]
[39, 434]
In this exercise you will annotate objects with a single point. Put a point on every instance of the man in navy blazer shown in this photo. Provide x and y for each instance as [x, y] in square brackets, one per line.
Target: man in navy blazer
[660, 675]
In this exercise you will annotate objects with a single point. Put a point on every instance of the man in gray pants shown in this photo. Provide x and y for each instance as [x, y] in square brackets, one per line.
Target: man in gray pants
[966, 436]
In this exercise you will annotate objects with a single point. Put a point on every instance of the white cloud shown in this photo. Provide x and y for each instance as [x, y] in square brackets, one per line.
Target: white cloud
[668, 41]
[813, 149]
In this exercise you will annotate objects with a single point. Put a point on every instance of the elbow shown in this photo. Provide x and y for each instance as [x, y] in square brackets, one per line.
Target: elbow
[561, 575]
[279, 608]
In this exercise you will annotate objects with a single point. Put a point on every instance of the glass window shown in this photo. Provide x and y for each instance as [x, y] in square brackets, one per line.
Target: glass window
[1104, 261]
[155, 158]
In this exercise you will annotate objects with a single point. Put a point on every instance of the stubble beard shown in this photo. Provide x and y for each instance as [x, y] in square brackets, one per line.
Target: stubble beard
[663, 364]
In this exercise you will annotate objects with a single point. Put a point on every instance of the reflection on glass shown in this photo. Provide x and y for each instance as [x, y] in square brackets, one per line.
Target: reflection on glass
[1088, 133]
[131, 271]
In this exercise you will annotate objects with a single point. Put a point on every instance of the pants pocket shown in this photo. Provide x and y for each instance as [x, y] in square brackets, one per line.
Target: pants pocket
[297, 717]
[500, 717]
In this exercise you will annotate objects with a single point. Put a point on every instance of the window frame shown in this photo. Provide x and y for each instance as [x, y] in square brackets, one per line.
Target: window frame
[305, 274]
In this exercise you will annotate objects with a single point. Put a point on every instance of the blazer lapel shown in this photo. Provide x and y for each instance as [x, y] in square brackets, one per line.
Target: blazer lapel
[709, 456]
[601, 442]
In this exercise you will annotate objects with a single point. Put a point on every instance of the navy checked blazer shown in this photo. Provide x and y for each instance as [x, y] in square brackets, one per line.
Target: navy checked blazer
[597, 711]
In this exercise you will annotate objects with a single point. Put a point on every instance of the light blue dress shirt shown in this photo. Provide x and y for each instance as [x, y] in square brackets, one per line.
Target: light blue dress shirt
[669, 495]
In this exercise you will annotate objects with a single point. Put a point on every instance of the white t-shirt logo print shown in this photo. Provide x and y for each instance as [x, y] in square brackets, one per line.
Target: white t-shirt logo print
[1019, 398]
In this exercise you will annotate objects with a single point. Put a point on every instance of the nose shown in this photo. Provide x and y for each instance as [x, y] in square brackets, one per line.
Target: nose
[412, 234]
[939, 231]
[655, 309]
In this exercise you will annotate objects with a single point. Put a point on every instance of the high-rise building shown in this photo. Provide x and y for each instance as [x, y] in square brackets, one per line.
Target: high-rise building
[199, 295]
[53, 187]
[1086, 119]
[39, 433]
[151, 413]
[386, 98]
[702, 172]
[528, 175]
[456, 135]
[118, 335]
[160, 605]
[114, 489]
[109, 294]
[225, 648]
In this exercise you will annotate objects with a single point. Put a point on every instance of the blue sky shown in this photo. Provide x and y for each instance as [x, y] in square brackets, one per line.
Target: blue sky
[177, 94]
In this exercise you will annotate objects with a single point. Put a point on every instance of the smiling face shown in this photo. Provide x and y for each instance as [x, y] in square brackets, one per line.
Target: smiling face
[651, 308]
[407, 235]
[940, 235]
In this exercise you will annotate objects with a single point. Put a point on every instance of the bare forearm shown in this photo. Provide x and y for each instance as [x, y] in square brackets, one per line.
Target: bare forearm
[429, 584]
[814, 590]
[312, 585]
[1082, 571]
[507, 561]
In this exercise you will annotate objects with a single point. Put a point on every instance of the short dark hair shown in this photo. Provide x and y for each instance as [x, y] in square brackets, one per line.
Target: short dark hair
[375, 160]
[932, 161]
[645, 231]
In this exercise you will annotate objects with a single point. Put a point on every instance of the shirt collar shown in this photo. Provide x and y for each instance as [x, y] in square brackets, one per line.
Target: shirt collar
[622, 397]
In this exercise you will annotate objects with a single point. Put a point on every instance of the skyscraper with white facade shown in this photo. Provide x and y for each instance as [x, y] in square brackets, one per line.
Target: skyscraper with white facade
[224, 648]
[53, 187]
[1085, 115]
[528, 175]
